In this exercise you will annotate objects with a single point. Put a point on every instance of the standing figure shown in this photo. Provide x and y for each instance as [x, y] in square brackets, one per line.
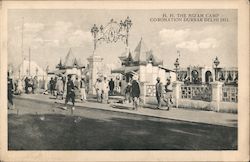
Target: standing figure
[35, 85]
[51, 85]
[128, 90]
[98, 88]
[59, 88]
[31, 85]
[169, 91]
[26, 82]
[10, 91]
[54, 87]
[77, 87]
[123, 86]
[19, 86]
[135, 92]
[83, 89]
[70, 94]
[111, 87]
[105, 90]
[117, 85]
[159, 92]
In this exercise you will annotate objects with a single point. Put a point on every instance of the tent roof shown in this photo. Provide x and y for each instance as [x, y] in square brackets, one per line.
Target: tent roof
[125, 70]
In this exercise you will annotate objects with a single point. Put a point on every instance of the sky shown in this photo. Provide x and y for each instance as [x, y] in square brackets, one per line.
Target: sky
[50, 33]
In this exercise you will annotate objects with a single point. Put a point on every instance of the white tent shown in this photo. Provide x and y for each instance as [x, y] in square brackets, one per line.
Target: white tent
[31, 68]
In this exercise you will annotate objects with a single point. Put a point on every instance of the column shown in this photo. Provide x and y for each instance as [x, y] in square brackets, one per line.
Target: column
[216, 95]
[94, 65]
[143, 91]
[177, 92]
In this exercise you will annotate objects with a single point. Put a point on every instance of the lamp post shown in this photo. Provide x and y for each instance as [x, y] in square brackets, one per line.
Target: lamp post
[176, 64]
[94, 31]
[127, 25]
[216, 63]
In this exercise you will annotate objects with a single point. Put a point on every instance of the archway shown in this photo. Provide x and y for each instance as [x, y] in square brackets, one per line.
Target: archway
[208, 77]
[195, 76]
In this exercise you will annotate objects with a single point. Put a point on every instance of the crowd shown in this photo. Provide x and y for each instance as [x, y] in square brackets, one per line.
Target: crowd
[131, 91]
[60, 88]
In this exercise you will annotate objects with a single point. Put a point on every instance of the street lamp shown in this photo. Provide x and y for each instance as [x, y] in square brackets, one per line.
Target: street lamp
[94, 31]
[176, 64]
[216, 63]
[127, 25]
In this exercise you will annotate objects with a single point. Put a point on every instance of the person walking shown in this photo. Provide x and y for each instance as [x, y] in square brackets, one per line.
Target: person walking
[135, 92]
[70, 94]
[105, 90]
[83, 90]
[159, 92]
[111, 87]
[10, 92]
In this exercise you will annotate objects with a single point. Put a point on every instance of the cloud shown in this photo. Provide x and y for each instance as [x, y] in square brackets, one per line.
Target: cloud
[79, 37]
[62, 27]
[195, 46]
[190, 45]
[209, 43]
[168, 36]
[52, 43]
[33, 27]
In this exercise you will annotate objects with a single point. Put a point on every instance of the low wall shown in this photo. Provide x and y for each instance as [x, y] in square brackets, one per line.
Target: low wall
[228, 107]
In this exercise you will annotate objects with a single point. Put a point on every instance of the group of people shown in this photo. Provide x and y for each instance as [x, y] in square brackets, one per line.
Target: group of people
[163, 93]
[31, 84]
[73, 88]
[105, 88]
[56, 86]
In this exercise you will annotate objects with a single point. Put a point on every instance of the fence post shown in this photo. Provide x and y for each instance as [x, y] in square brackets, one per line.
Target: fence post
[176, 92]
[216, 95]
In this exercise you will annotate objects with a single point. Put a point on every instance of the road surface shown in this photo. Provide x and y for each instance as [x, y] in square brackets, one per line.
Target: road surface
[45, 126]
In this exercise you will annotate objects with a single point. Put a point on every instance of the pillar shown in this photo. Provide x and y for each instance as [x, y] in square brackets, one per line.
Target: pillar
[94, 64]
[177, 92]
[143, 91]
[216, 95]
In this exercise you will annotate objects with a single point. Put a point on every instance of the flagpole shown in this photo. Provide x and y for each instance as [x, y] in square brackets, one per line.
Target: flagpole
[22, 62]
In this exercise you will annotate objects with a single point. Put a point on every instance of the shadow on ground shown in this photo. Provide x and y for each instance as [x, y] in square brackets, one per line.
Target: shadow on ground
[61, 132]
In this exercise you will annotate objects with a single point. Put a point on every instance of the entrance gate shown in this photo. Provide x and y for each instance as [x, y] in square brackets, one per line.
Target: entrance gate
[111, 33]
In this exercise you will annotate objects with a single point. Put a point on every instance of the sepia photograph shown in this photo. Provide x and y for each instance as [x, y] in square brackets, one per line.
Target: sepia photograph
[99, 79]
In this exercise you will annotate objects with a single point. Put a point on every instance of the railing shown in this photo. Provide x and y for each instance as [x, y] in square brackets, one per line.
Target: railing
[229, 93]
[196, 92]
